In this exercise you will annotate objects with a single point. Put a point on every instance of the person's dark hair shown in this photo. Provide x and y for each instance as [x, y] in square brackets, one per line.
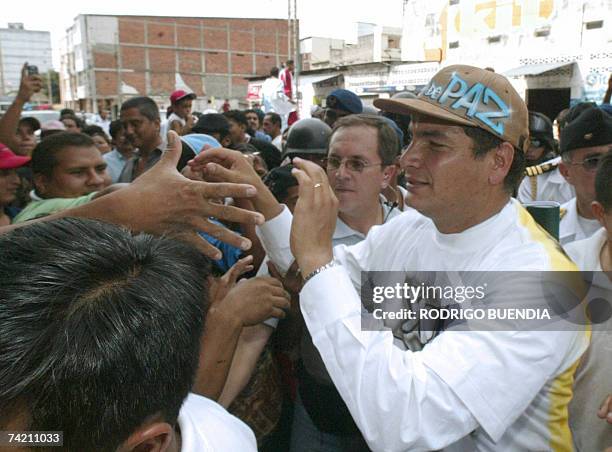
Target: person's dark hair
[388, 142]
[145, 105]
[44, 154]
[66, 111]
[279, 180]
[75, 118]
[95, 130]
[603, 182]
[32, 123]
[100, 329]
[237, 116]
[288, 62]
[115, 128]
[275, 118]
[274, 72]
[212, 123]
[484, 142]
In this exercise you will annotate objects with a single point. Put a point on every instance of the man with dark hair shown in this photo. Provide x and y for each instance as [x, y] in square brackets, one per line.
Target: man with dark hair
[272, 126]
[68, 171]
[470, 132]
[121, 153]
[255, 125]
[141, 123]
[111, 359]
[592, 379]
[585, 139]
[216, 125]
[238, 126]
[72, 123]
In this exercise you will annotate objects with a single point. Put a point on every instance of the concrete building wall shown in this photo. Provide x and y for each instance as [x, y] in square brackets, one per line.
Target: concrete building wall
[18, 46]
[127, 55]
[509, 34]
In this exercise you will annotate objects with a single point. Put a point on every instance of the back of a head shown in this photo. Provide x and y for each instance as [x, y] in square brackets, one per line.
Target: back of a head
[274, 72]
[212, 123]
[105, 327]
[603, 182]
[237, 116]
[145, 105]
[44, 154]
[66, 111]
[541, 127]
[279, 180]
[115, 128]
[308, 136]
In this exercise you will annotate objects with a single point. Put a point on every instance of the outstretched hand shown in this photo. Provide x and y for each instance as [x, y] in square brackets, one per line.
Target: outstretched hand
[162, 201]
[29, 85]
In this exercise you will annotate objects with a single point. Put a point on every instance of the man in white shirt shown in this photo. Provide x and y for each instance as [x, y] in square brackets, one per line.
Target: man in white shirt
[465, 390]
[272, 127]
[584, 140]
[592, 380]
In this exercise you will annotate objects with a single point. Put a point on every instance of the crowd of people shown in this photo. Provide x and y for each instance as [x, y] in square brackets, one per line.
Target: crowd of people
[195, 282]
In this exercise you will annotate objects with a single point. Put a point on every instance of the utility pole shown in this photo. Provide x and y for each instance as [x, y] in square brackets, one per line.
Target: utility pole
[294, 46]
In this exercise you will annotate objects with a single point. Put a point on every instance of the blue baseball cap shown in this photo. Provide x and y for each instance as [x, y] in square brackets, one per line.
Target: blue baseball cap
[196, 141]
[343, 99]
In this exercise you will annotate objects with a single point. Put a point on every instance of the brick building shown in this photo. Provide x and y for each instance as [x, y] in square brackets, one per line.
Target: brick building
[107, 59]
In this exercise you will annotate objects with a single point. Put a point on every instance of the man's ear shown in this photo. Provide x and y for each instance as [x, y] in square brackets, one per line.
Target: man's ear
[155, 437]
[599, 212]
[389, 174]
[564, 170]
[40, 183]
[503, 156]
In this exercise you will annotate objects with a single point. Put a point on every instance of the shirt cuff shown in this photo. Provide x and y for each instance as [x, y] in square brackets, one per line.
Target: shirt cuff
[275, 237]
[327, 298]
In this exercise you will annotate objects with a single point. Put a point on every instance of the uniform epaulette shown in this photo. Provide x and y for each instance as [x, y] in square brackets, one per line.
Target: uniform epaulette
[542, 168]
[562, 213]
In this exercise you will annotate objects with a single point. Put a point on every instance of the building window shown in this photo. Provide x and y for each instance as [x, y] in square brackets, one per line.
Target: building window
[494, 39]
[453, 45]
[542, 32]
[453, 2]
[594, 24]
[393, 43]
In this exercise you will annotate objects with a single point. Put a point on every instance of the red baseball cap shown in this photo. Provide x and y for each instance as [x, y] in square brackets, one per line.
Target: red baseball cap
[180, 94]
[8, 159]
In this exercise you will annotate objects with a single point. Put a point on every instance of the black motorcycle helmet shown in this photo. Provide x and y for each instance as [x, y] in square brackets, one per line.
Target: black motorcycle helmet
[308, 136]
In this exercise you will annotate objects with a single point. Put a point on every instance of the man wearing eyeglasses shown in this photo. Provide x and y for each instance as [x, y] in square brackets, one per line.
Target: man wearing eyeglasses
[359, 164]
[584, 141]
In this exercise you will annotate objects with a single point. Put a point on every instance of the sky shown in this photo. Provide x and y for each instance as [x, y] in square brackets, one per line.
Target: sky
[326, 18]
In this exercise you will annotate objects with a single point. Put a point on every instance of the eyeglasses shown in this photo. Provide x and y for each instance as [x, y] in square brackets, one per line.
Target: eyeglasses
[589, 163]
[355, 165]
[536, 143]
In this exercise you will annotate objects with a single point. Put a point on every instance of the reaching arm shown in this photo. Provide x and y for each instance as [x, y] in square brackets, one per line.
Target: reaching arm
[162, 201]
[29, 85]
